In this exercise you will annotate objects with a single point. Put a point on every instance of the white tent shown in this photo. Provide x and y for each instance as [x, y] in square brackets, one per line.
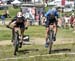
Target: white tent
[51, 3]
[58, 3]
[16, 2]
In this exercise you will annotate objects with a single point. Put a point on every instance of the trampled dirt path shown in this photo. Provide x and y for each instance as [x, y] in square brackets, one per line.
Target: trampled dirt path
[5, 42]
[41, 41]
[46, 55]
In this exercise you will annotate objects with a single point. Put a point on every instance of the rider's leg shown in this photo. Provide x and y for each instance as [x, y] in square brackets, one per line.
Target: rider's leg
[22, 33]
[47, 31]
[21, 36]
[12, 35]
[55, 31]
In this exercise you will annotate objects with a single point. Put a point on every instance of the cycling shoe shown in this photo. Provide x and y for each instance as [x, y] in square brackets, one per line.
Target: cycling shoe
[47, 44]
[54, 38]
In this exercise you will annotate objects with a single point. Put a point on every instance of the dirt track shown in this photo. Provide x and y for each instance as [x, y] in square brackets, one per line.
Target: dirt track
[41, 41]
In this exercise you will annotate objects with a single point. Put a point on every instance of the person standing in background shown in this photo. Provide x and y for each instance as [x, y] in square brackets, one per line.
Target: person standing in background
[71, 20]
[3, 19]
[5, 15]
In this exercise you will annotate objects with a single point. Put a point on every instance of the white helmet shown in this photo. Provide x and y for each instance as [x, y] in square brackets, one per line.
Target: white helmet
[19, 14]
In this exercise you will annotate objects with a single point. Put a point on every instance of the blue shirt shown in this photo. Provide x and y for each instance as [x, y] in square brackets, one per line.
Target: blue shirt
[51, 12]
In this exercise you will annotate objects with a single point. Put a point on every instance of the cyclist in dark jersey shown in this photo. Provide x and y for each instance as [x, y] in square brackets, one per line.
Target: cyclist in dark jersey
[19, 22]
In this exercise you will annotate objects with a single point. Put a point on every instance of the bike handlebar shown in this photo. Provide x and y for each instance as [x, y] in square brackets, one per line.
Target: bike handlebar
[8, 26]
[12, 28]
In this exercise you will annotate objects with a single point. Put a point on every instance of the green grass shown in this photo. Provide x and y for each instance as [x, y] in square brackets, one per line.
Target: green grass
[37, 32]
[30, 50]
[33, 50]
[65, 33]
[12, 12]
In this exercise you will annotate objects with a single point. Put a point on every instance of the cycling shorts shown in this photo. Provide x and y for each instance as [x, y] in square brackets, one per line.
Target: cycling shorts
[21, 25]
[47, 23]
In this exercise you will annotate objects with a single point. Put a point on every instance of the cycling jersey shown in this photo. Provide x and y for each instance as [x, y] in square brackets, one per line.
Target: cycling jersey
[51, 12]
[19, 21]
[49, 18]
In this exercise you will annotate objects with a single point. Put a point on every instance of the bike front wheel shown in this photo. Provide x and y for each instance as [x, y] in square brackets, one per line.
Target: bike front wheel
[50, 40]
[16, 43]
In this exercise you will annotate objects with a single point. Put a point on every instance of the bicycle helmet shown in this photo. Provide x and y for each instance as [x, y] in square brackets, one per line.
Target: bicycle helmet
[19, 14]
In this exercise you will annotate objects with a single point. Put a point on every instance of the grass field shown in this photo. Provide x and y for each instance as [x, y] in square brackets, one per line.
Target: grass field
[38, 53]
[36, 31]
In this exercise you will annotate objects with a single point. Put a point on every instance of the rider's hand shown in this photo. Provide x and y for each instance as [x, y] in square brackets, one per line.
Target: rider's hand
[7, 26]
[44, 19]
[26, 27]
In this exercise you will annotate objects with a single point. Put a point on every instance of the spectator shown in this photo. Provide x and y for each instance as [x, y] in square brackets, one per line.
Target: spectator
[6, 14]
[72, 19]
[3, 19]
[66, 18]
[60, 23]
[73, 24]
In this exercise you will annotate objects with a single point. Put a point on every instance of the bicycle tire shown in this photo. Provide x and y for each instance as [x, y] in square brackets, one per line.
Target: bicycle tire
[50, 40]
[16, 43]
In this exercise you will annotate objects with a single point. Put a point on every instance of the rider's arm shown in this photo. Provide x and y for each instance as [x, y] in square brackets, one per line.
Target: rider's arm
[25, 21]
[12, 21]
[26, 24]
[47, 13]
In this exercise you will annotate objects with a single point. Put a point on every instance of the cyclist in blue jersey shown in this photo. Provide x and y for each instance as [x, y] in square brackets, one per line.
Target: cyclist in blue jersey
[51, 18]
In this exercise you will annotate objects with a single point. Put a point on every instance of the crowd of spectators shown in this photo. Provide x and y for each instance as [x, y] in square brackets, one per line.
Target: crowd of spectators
[67, 21]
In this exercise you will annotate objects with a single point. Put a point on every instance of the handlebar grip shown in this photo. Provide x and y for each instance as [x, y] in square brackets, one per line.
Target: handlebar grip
[8, 26]
[26, 27]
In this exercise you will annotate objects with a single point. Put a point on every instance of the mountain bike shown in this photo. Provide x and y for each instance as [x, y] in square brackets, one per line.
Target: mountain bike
[16, 40]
